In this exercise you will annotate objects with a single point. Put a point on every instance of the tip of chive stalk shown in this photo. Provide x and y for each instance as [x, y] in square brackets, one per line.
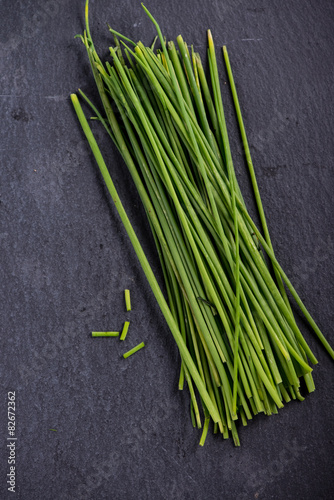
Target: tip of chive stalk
[74, 99]
[210, 39]
[138, 50]
[146, 10]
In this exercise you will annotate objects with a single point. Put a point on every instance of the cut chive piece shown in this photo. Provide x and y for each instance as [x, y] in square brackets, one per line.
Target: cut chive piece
[127, 300]
[105, 334]
[133, 350]
[125, 330]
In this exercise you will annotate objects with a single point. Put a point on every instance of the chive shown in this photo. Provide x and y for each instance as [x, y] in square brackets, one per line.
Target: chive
[205, 431]
[105, 334]
[127, 300]
[125, 330]
[133, 350]
[142, 258]
[231, 176]
[240, 346]
[252, 171]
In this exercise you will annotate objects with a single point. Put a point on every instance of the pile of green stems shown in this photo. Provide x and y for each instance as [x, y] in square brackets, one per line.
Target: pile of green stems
[242, 352]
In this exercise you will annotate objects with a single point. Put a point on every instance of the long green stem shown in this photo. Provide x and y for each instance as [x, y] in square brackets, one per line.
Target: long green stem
[231, 176]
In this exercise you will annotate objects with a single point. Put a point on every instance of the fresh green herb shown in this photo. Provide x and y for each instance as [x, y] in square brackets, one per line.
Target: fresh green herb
[105, 334]
[241, 349]
[125, 330]
[140, 254]
[127, 300]
[133, 350]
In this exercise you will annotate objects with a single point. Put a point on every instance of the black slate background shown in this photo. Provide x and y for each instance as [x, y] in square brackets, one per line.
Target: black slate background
[123, 429]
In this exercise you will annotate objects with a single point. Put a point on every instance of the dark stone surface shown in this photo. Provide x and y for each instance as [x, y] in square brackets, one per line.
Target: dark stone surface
[123, 429]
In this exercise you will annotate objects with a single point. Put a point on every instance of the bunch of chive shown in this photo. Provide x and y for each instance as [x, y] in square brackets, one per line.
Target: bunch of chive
[230, 316]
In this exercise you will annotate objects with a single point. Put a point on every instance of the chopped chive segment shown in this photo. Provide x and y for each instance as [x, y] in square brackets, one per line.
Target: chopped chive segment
[133, 350]
[127, 300]
[125, 330]
[105, 334]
